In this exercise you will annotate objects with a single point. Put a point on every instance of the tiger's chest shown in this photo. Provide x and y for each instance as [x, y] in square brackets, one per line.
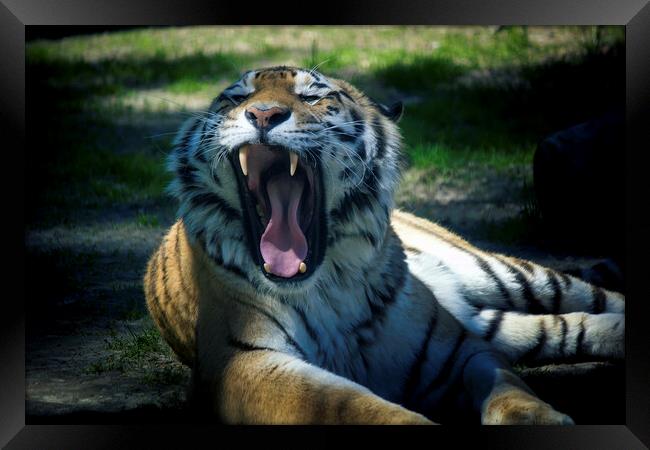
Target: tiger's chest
[367, 343]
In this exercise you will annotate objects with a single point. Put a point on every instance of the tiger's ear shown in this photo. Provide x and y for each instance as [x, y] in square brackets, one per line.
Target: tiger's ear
[393, 112]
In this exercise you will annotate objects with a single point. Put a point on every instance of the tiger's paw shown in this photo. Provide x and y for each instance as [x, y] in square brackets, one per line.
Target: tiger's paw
[516, 407]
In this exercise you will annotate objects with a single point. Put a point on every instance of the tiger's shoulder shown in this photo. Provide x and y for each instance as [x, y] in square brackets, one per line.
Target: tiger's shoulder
[171, 292]
[179, 277]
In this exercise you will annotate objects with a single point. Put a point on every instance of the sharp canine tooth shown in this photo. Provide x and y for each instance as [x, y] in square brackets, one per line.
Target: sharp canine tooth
[294, 163]
[267, 267]
[303, 267]
[243, 160]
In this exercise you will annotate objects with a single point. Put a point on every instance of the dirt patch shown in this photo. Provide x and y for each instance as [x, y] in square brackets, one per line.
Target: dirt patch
[90, 343]
[467, 200]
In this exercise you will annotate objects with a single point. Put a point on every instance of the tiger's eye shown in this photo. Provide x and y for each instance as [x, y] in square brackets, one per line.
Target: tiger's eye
[309, 98]
[236, 99]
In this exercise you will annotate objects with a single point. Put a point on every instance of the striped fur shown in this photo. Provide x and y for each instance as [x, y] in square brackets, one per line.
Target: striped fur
[402, 322]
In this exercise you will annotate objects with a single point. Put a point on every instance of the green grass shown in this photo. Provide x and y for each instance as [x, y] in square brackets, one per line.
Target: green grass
[187, 86]
[136, 346]
[147, 220]
[97, 177]
[448, 160]
[142, 352]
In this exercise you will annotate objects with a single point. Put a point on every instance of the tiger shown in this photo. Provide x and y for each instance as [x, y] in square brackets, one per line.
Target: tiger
[298, 293]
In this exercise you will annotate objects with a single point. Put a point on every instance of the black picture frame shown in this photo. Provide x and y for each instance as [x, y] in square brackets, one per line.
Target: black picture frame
[16, 15]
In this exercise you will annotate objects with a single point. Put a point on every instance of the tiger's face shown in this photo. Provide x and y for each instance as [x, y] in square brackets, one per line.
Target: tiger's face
[289, 176]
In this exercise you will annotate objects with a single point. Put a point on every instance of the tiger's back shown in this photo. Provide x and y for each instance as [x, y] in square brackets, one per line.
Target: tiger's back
[172, 282]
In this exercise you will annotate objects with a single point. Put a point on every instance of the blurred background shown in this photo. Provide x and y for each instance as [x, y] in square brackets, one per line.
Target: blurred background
[103, 105]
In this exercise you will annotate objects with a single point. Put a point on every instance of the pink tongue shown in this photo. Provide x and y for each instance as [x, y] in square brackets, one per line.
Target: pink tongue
[283, 245]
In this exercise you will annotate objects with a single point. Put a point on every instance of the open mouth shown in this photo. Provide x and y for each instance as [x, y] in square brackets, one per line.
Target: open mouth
[282, 195]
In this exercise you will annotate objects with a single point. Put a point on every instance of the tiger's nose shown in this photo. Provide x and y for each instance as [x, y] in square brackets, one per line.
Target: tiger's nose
[267, 118]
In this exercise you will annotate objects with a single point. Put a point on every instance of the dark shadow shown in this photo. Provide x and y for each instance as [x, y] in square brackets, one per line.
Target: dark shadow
[517, 107]
[522, 103]
[33, 33]
[142, 415]
[83, 79]
[422, 73]
[571, 388]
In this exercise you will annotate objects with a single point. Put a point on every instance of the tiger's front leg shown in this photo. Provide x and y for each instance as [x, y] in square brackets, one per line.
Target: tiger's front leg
[263, 386]
[504, 399]
[492, 388]
[455, 371]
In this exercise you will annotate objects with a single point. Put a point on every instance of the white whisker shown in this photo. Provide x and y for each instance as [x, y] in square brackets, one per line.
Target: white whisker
[313, 69]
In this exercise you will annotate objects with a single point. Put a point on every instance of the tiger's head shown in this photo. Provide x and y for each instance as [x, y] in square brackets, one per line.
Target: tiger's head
[288, 179]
